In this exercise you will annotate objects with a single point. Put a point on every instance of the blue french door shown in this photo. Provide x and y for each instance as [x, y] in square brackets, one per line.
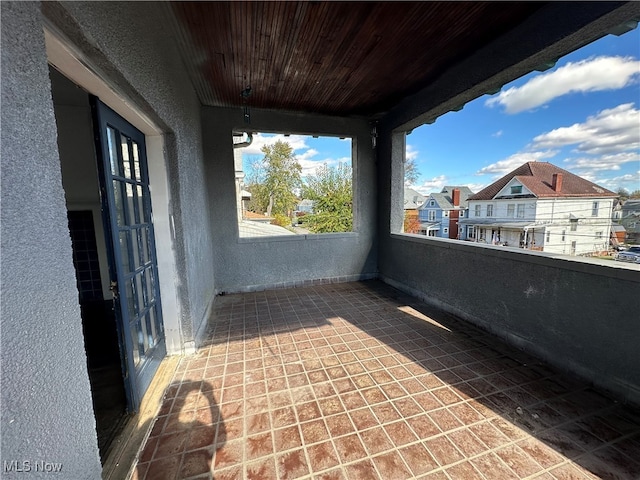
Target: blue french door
[133, 266]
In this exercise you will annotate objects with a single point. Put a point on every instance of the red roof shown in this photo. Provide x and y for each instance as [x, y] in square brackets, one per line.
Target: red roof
[538, 178]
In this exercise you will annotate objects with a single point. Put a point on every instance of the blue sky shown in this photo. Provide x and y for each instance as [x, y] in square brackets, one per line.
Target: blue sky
[582, 115]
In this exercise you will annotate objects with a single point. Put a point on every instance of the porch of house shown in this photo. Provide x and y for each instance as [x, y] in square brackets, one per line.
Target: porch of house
[359, 380]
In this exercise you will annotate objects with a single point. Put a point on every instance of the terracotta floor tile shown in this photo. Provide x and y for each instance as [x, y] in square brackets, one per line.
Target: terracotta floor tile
[444, 419]
[283, 417]
[391, 465]
[229, 454]
[492, 467]
[166, 468]
[260, 469]
[443, 450]
[314, 431]
[287, 438]
[350, 448]
[418, 459]
[541, 453]
[400, 433]
[322, 456]
[330, 405]
[333, 381]
[171, 444]
[363, 470]
[407, 407]
[376, 441]
[518, 461]
[308, 411]
[467, 443]
[195, 463]
[292, 464]
[363, 418]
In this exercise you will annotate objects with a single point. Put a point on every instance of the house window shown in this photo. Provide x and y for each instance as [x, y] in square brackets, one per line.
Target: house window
[564, 234]
[516, 189]
[598, 235]
[432, 203]
[511, 210]
[490, 210]
[594, 209]
[574, 225]
[470, 232]
[520, 212]
[461, 213]
[445, 230]
[548, 237]
[431, 215]
[445, 213]
[477, 210]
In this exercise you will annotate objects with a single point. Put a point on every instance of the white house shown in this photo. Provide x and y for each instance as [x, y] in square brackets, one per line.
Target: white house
[542, 207]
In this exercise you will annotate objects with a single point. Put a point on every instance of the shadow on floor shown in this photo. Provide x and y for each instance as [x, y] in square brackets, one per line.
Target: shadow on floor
[189, 421]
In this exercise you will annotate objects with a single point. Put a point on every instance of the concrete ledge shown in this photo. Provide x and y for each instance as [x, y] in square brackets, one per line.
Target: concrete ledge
[594, 266]
[303, 283]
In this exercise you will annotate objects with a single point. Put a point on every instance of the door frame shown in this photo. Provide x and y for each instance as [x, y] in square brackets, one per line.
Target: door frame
[82, 70]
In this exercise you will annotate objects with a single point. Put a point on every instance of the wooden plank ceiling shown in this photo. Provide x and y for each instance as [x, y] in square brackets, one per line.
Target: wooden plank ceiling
[343, 58]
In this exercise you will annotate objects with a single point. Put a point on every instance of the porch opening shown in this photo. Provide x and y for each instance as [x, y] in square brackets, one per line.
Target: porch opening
[288, 184]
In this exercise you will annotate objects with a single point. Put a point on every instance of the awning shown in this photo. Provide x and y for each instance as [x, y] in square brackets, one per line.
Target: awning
[430, 226]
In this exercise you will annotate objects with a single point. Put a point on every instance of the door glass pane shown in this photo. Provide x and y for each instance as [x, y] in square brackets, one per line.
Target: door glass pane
[140, 218]
[152, 324]
[135, 250]
[129, 293]
[145, 244]
[113, 152]
[150, 338]
[136, 161]
[131, 218]
[136, 344]
[144, 336]
[126, 158]
[149, 285]
[139, 293]
[118, 193]
[124, 251]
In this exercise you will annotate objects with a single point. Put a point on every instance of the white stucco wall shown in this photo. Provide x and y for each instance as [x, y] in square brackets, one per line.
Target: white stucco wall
[47, 414]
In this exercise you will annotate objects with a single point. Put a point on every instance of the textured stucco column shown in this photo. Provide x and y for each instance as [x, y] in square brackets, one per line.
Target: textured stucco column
[47, 413]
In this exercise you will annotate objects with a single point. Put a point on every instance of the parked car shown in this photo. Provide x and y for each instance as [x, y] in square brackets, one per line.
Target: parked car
[632, 254]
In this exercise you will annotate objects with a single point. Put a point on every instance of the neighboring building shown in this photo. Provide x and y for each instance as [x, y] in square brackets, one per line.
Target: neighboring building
[630, 220]
[441, 212]
[542, 207]
[413, 200]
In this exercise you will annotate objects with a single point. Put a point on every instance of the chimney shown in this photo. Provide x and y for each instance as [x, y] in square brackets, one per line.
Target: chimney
[556, 183]
[456, 197]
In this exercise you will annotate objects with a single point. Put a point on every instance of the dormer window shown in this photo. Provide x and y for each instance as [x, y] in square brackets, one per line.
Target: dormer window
[516, 189]
[432, 203]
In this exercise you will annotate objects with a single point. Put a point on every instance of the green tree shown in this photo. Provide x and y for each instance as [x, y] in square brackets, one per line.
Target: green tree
[623, 193]
[281, 177]
[331, 190]
[635, 194]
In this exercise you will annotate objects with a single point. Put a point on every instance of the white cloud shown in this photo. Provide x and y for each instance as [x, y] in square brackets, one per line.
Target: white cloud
[602, 163]
[297, 142]
[630, 181]
[433, 185]
[609, 131]
[411, 153]
[514, 161]
[590, 75]
[498, 134]
[309, 166]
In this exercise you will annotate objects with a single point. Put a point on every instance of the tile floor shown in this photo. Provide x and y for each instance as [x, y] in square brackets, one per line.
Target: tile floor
[358, 380]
